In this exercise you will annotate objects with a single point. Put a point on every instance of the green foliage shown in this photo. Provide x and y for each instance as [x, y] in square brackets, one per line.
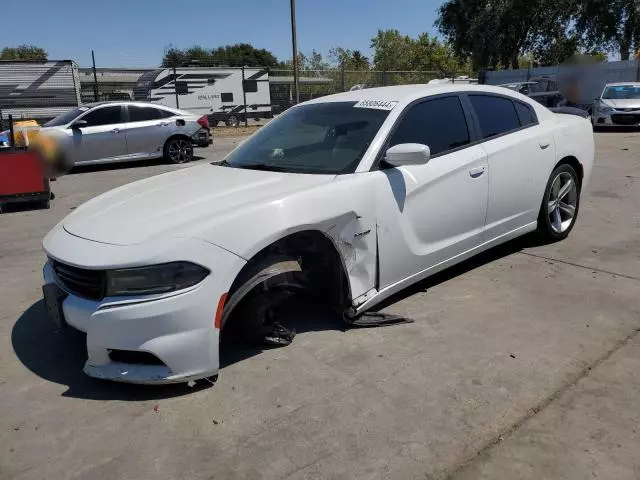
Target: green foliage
[497, 32]
[613, 25]
[238, 55]
[397, 52]
[23, 52]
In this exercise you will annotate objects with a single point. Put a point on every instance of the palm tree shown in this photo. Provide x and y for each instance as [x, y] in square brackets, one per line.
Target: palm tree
[358, 61]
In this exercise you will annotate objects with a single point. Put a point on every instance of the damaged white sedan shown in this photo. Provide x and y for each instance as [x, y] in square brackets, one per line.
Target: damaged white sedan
[352, 196]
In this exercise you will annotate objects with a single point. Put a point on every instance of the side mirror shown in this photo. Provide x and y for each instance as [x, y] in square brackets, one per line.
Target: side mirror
[79, 124]
[407, 154]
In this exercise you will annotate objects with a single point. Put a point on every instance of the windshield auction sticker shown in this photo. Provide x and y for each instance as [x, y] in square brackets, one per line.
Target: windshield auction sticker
[378, 104]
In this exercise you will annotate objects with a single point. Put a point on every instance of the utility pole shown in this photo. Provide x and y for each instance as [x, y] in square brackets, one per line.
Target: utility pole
[95, 78]
[296, 85]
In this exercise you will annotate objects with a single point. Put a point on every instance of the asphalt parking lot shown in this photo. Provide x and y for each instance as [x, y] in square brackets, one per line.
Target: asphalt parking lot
[523, 363]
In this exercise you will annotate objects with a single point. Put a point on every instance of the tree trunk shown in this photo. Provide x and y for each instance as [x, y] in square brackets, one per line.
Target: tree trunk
[514, 61]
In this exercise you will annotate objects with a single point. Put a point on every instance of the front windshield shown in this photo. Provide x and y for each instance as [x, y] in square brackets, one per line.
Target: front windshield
[622, 92]
[321, 138]
[65, 117]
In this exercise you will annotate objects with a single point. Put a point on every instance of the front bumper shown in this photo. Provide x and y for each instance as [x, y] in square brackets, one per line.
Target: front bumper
[176, 328]
[617, 119]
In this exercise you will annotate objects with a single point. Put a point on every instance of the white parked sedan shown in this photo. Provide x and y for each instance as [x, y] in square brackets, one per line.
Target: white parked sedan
[617, 105]
[354, 196]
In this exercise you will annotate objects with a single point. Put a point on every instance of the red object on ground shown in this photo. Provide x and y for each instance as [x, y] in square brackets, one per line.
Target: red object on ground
[204, 122]
[22, 176]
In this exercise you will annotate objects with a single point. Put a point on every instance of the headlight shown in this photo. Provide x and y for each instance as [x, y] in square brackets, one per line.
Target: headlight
[166, 277]
[605, 109]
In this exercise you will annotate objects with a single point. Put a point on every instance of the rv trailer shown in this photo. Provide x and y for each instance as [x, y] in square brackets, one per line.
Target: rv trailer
[216, 92]
[38, 90]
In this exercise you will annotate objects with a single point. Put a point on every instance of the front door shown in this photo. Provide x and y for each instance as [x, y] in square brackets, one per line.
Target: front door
[102, 138]
[428, 214]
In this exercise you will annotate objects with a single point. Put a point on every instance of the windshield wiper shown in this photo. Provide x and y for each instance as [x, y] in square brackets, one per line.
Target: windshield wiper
[261, 166]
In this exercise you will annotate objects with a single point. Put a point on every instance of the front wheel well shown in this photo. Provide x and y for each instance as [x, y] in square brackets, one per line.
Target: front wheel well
[322, 269]
[176, 136]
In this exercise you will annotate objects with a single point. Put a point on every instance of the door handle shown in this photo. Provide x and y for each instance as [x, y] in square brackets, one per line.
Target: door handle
[164, 124]
[116, 130]
[544, 145]
[476, 172]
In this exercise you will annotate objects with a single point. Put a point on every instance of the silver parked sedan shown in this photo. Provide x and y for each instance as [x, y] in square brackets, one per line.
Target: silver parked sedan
[618, 104]
[123, 131]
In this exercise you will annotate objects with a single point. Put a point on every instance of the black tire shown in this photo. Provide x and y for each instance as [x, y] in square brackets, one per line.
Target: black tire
[178, 150]
[46, 204]
[556, 208]
[232, 121]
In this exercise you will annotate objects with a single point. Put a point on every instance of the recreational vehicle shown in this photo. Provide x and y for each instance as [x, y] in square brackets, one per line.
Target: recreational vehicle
[38, 90]
[222, 93]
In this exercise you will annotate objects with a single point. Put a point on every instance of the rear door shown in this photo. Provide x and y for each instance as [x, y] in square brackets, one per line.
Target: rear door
[430, 213]
[519, 152]
[148, 128]
[103, 138]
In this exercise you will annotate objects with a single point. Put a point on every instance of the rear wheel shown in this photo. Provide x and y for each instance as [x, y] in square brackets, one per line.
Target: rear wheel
[232, 121]
[560, 204]
[178, 150]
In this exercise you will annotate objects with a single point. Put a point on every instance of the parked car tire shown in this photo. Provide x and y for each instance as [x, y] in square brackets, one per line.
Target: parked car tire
[560, 204]
[232, 121]
[178, 150]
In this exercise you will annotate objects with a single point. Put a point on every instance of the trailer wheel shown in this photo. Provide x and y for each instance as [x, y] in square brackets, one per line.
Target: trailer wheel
[232, 121]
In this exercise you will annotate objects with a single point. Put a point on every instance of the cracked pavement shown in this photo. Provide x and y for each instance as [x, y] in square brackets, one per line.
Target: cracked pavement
[522, 363]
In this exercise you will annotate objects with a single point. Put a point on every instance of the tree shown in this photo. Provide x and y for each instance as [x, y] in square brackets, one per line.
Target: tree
[358, 61]
[238, 55]
[23, 52]
[556, 49]
[612, 24]
[349, 60]
[497, 32]
[394, 51]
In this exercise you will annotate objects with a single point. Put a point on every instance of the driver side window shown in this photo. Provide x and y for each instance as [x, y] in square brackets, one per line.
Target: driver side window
[439, 123]
[104, 116]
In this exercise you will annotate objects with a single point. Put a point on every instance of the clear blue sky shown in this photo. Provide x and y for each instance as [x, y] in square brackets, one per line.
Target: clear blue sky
[135, 32]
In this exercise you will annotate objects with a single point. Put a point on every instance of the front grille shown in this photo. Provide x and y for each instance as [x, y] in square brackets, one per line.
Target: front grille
[627, 119]
[79, 281]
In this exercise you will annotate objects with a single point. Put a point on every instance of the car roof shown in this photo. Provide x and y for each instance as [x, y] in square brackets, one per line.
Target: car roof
[622, 84]
[128, 102]
[408, 93]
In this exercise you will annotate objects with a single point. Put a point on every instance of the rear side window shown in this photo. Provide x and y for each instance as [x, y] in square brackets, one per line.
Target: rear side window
[166, 113]
[525, 114]
[440, 124]
[226, 97]
[104, 116]
[496, 115]
[142, 114]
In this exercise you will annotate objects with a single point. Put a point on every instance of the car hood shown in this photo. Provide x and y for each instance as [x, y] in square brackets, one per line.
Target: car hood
[624, 103]
[174, 204]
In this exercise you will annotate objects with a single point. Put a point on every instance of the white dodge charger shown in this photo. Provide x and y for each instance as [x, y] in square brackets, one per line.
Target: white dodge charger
[351, 197]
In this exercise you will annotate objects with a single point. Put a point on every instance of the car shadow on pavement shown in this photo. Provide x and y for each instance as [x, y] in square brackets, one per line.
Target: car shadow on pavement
[491, 255]
[59, 356]
[123, 165]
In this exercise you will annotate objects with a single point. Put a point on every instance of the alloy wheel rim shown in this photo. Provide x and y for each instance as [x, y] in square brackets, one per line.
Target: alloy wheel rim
[180, 151]
[562, 202]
